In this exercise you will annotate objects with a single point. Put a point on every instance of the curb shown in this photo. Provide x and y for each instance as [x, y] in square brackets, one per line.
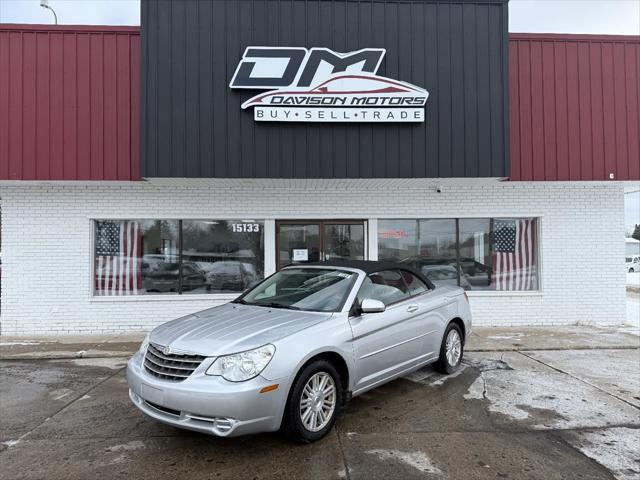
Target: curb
[64, 355]
[548, 349]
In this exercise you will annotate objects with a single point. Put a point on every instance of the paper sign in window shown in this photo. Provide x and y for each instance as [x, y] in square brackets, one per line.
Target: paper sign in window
[300, 255]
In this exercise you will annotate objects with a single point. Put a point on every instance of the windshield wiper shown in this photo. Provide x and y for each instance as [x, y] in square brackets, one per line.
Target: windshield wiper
[277, 305]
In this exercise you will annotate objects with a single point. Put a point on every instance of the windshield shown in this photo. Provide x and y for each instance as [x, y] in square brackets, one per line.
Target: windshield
[312, 289]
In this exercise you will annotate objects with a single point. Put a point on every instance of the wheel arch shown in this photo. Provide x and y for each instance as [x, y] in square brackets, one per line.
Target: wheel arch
[339, 363]
[460, 323]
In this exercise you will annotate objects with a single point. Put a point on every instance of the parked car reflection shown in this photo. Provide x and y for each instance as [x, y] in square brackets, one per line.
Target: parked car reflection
[164, 277]
[229, 275]
[473, 274]
[444, 275]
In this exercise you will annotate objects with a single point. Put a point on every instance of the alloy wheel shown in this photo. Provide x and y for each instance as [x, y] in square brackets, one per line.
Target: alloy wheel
[453, 347]
[318, 401]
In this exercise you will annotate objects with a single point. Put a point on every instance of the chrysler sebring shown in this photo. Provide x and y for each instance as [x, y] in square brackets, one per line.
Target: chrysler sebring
[288, 353]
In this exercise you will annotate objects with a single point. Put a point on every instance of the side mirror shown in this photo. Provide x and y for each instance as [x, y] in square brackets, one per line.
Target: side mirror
[370, 305]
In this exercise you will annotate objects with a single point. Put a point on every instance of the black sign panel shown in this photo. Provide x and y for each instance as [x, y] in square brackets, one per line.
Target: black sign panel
[194, 126]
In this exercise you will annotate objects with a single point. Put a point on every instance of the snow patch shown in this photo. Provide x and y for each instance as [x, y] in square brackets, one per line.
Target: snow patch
[617, 449]
[552, 400]
[112, 363]
[60, 393]
[417, 460]
[123, 451]
[127, 447]
[515, 336]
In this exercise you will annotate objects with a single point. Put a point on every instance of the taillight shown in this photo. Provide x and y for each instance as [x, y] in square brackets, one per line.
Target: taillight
[466, 297]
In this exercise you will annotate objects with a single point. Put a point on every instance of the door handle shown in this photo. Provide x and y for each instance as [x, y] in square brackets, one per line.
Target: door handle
[412, 308]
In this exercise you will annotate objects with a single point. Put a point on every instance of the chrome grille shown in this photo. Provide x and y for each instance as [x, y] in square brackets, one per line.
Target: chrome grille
[170, 366]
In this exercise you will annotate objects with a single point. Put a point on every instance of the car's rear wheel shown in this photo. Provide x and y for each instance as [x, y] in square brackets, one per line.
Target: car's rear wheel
[313, 403]
[451, 350]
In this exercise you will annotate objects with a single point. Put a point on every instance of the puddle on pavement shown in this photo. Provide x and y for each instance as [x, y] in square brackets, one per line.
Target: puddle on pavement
[487, 364]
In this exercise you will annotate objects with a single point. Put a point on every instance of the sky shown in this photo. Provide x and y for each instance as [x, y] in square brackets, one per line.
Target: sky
[558, 16]
[621, 17]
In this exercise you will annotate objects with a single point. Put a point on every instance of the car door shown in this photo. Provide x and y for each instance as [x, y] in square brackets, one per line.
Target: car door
[433, 310]
[388, 342]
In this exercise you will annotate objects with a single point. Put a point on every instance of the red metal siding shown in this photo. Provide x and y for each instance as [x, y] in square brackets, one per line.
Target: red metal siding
[574, 107]
[70, 95]
[69, 103]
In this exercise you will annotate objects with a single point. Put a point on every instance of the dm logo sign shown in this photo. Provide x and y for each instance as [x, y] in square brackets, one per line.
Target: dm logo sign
[320, 85]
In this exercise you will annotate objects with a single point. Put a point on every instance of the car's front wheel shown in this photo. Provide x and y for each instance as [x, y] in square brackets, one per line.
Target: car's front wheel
[313, 403]
[451, 350]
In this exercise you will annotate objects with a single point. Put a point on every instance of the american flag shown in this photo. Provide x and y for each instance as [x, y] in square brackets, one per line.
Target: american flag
[118, 257]
[513, 250]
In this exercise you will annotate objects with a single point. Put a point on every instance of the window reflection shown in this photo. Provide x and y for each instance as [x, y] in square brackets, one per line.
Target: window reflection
[475, 253]
[136, 257]
[223, 256]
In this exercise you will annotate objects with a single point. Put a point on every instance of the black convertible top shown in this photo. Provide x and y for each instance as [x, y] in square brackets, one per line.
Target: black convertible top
[368, 266]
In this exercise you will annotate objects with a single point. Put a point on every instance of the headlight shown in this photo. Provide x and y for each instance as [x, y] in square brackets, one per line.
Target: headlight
[145, 344]
[242, 366]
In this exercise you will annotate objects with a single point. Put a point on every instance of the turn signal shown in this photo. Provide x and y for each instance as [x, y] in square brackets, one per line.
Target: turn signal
[269, 388]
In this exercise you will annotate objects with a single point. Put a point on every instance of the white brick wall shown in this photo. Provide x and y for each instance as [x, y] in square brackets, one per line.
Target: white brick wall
[46, 243]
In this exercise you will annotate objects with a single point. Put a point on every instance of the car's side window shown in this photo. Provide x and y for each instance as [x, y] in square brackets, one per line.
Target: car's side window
[414, 284]
[387, 286]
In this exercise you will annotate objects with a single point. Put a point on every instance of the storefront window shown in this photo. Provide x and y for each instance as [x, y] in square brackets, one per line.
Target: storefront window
[429, 246]
[514, 254]
[398, 239]
[141, 257]
[229, 253]
[477, 254]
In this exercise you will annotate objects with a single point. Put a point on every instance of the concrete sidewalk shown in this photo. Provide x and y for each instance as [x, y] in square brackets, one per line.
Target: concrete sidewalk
[483, 339]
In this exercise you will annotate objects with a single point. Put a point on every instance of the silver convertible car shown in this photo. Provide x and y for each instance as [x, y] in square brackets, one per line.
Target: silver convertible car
[288, 353]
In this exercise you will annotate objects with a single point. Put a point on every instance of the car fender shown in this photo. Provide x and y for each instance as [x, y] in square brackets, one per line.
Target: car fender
[292, 352]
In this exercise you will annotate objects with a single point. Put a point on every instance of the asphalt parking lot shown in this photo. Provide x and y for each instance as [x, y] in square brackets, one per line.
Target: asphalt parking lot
[522, 415]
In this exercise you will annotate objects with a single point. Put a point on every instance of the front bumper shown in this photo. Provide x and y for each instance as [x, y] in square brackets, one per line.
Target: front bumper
[206, 403]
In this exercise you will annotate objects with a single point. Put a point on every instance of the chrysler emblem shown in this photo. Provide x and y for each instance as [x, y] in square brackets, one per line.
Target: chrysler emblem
[166, 350]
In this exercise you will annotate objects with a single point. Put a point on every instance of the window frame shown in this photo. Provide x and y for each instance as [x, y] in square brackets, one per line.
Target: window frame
[215, 297]
[539, 217]
[355, 311]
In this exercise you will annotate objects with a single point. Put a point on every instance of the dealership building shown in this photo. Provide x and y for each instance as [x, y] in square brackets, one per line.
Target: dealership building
[148, 173]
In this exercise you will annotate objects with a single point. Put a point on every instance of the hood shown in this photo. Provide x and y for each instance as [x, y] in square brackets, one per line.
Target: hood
[232, 328]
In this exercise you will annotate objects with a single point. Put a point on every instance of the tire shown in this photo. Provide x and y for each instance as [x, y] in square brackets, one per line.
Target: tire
[631, 270]
[444, 364]
[293, 426]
